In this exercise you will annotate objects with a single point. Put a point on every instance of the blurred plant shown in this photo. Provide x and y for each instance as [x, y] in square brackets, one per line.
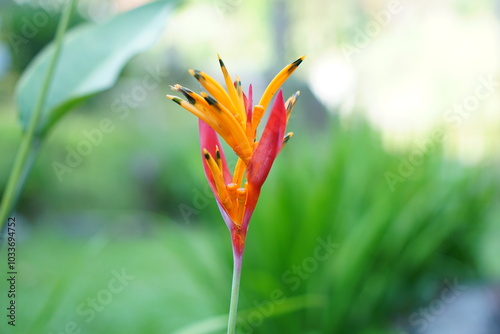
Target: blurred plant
[86, 61]
[396, 248]
[231, 114]
[28, 26]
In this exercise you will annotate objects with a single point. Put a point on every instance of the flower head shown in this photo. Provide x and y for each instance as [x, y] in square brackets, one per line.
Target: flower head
[230, 114]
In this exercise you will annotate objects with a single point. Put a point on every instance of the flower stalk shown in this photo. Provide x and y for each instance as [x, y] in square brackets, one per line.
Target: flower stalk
[235, 291]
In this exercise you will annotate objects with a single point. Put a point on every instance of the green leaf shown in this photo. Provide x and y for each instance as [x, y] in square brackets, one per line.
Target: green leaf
[90, 62]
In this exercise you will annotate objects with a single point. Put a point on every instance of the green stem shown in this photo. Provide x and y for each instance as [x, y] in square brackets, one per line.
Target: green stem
[235, 291]
[30, 142]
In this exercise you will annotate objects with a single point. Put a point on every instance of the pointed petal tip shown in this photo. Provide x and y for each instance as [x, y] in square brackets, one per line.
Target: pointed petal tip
[197, 74]
[184, 89]
[279, 95]
[211, 101]
[287, 137]
[175, 87]
[186, 92]
[176, 99]
[221, 63]
[296, 63]
[217, 152]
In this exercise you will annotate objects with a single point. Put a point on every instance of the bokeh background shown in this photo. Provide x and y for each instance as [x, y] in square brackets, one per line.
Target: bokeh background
[380, 216]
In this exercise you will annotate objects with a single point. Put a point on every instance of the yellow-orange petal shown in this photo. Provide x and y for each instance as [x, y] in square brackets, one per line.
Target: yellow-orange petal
[278, 80]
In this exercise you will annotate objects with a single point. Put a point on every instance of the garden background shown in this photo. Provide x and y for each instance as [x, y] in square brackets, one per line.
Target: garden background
[381, 215]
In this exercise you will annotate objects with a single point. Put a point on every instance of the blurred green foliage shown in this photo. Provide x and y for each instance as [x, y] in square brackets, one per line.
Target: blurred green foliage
[101, 51]
[28, 27]
[121, 209]
[137, 208]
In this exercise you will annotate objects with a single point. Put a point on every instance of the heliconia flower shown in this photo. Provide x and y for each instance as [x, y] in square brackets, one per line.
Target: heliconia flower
[229, 113]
